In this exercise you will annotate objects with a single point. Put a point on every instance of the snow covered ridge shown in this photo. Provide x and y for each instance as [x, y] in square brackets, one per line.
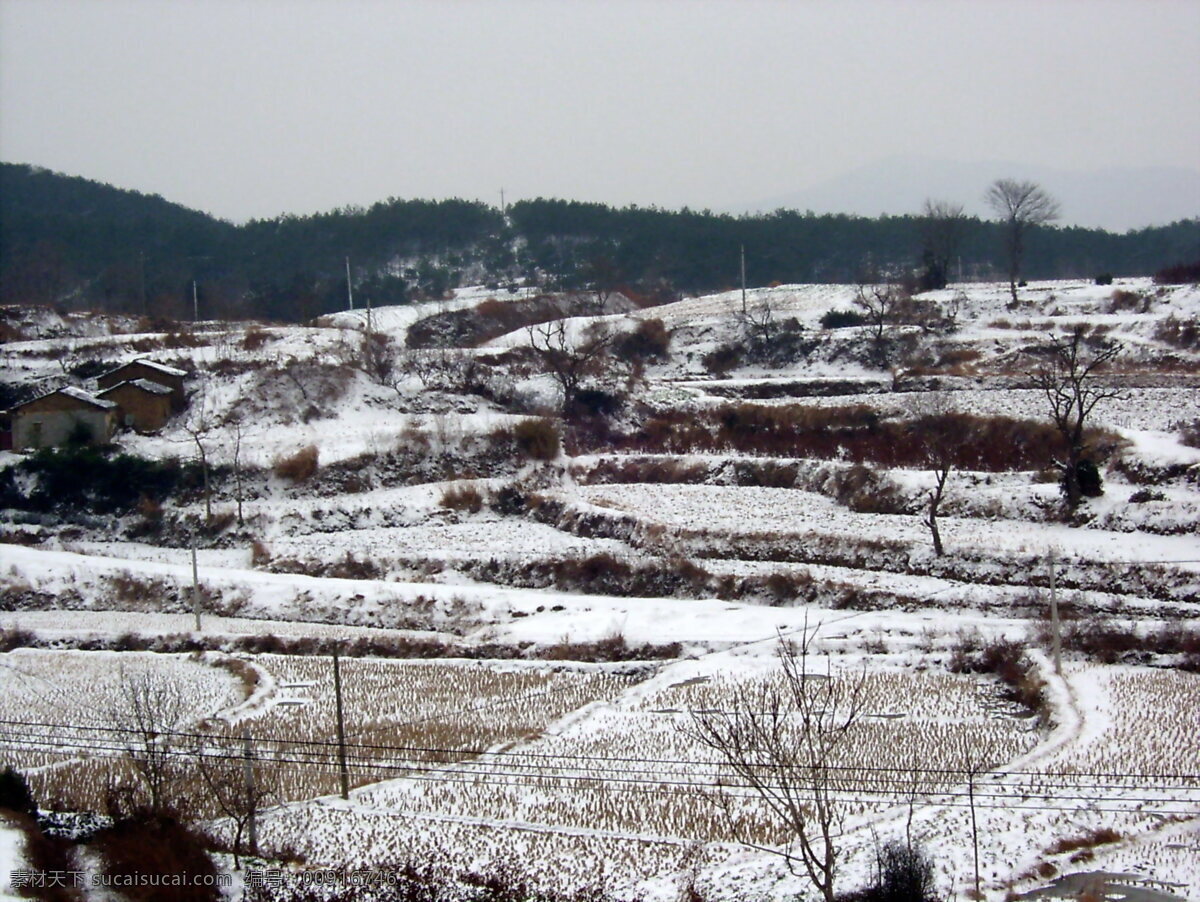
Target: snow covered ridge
[581, 487]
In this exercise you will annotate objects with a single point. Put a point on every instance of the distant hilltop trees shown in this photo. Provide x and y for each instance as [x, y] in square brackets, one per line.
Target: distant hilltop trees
[69, 241]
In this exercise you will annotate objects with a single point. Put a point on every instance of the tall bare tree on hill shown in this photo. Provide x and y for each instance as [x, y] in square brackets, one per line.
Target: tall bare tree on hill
[942, 227]
[1020, 205]
[1069, 381]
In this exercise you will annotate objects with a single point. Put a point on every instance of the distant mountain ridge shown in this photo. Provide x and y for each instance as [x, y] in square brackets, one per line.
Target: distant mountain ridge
[91, 246]
[1115, 199]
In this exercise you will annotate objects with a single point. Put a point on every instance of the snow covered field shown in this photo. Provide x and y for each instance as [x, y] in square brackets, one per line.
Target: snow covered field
[591, 765]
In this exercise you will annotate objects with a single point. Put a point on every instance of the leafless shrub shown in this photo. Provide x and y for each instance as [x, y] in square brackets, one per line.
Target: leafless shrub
[350, 567]
[537, 438]
[133, 592]
[610, 648]
[11, 638]
[1006, 660]
[1123, 300]
[462, 498]
[299, 466]
[653, 470]
[1098, 837]
[650, 342]
[867, 491]
[1179, 274]
[255, 338]
[260, 554]
[1189, 433]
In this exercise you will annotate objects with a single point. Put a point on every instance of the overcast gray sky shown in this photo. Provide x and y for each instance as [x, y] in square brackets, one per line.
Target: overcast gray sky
[250, 108]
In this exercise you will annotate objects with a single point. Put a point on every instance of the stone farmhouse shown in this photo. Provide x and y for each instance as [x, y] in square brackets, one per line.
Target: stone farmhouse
[68, 414]
[140, 395]
[158, 373]
[145, 405]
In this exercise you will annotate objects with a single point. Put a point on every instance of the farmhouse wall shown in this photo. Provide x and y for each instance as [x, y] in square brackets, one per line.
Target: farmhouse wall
[153, 372]
[140, 409]
[51, 420]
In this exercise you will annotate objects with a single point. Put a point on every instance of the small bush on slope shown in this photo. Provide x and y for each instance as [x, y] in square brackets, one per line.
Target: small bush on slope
[298, 467]
[537, 438]
[905, 874]
[1006, 660]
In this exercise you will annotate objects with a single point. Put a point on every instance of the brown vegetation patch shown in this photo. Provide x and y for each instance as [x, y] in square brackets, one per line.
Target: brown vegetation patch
[462, 498]
[1007, 661]
[857, 433]
[298, 467]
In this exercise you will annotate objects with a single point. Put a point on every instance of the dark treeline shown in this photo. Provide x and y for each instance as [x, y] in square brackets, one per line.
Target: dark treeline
[76, 243]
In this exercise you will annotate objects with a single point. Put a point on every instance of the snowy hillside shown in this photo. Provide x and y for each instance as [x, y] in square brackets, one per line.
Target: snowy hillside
[543, 557]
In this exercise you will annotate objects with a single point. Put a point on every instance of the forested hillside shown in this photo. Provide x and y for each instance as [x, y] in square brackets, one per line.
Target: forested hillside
[70, 241]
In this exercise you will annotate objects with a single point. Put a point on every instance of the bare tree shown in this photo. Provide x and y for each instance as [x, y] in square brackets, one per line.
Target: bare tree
[880, 305]
[199, 425]
[939, 446]
[603, 277]
[146, 716]
[758, 325]
[235, 422]
[239, 787]
[942, 226]
[876, 302]
[783, 738]
[1020, 206]
[941, 475]
[446, 369]
[570, 362]
[1069, 381]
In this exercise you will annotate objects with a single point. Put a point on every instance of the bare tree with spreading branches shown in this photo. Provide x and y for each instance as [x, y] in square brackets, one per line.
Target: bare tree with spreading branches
[881, 305]
[758, 324]
[570, 362]
[199, 424]
[239, 787]
[147, 716]
[1069, 379]
[1020, 206]
[783, 738]
[939, 447]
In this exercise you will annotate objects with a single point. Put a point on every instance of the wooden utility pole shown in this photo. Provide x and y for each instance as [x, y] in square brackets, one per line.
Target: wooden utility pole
[142, 281]
[972, 772]
[349, 286]
[1055, 623]
[195, 586]
[251, 791]
[341, 728]
[743, 280]
[195, 304]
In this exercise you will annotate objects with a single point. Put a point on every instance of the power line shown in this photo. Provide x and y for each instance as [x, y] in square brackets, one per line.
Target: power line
[936, 797]
[471, 770]
[331, 746]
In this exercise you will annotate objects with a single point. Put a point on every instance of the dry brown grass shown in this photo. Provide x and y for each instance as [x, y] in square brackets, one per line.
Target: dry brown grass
[298, 467]
[466, 497]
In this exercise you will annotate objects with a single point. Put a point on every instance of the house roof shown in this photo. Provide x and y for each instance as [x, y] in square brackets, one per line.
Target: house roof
[72, 392]
[144, 384]
[150, 364]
